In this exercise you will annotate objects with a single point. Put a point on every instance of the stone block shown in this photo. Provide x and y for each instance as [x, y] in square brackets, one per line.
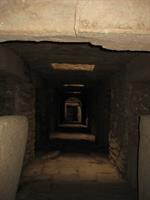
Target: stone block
[13, 137]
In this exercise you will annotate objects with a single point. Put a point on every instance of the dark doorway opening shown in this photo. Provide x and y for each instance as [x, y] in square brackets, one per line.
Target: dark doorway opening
[72, 114]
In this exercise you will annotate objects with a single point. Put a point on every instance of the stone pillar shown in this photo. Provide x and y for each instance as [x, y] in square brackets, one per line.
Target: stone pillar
[13, 137]
[144, 158]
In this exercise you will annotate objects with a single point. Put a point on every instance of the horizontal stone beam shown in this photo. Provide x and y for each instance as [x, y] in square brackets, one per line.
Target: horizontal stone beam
[114, 24]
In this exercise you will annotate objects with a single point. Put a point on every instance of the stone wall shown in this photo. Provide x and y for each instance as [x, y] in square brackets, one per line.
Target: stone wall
[11, 63]
[92, 110]
[46, 115]
[17, 98]
[104, 115]
[129, 100]
[139, 104]
[42, 118]
[100, 113]
[25, 105]
[117, 136]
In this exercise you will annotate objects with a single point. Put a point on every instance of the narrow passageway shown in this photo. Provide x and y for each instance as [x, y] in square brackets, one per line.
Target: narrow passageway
[74, 100]
[76, 170]
[83, 105]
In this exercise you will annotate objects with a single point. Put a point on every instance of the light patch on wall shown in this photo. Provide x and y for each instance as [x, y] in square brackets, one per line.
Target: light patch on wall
[73, 67]
[73, 85]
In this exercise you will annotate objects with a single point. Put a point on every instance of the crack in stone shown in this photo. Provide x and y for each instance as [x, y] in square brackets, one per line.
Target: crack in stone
[75, 19]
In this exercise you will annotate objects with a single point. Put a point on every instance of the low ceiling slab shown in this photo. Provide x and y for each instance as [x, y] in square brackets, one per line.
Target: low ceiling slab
[117, 25]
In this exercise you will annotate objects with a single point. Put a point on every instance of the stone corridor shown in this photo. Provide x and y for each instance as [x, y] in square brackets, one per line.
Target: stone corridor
[72, 175]
[74, 100]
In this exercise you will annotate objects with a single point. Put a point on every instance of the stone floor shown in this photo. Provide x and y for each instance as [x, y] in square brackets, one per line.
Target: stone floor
[72, 175]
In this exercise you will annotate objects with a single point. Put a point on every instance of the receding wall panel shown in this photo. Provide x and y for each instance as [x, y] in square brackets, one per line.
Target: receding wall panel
[144, 158]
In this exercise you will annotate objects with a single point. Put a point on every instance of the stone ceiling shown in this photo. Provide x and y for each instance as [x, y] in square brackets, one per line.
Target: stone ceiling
[40, 56]
[113, 24]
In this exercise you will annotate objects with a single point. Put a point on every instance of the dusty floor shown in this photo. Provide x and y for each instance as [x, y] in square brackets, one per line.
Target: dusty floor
[72, 176]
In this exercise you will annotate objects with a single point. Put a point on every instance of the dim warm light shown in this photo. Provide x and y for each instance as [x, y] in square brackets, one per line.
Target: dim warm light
[73, 67]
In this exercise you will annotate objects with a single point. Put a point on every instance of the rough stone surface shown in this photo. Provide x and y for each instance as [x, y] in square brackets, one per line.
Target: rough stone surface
[17, 98]
[11, 63]
[95, 21]
[99, 114]
[129, 100]
[13, 136]
[139, 98]
[138, 68]
[73, 176]
[117, 137]
[45, 116]
[17, 95]
[25, 105]
[144, 158]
